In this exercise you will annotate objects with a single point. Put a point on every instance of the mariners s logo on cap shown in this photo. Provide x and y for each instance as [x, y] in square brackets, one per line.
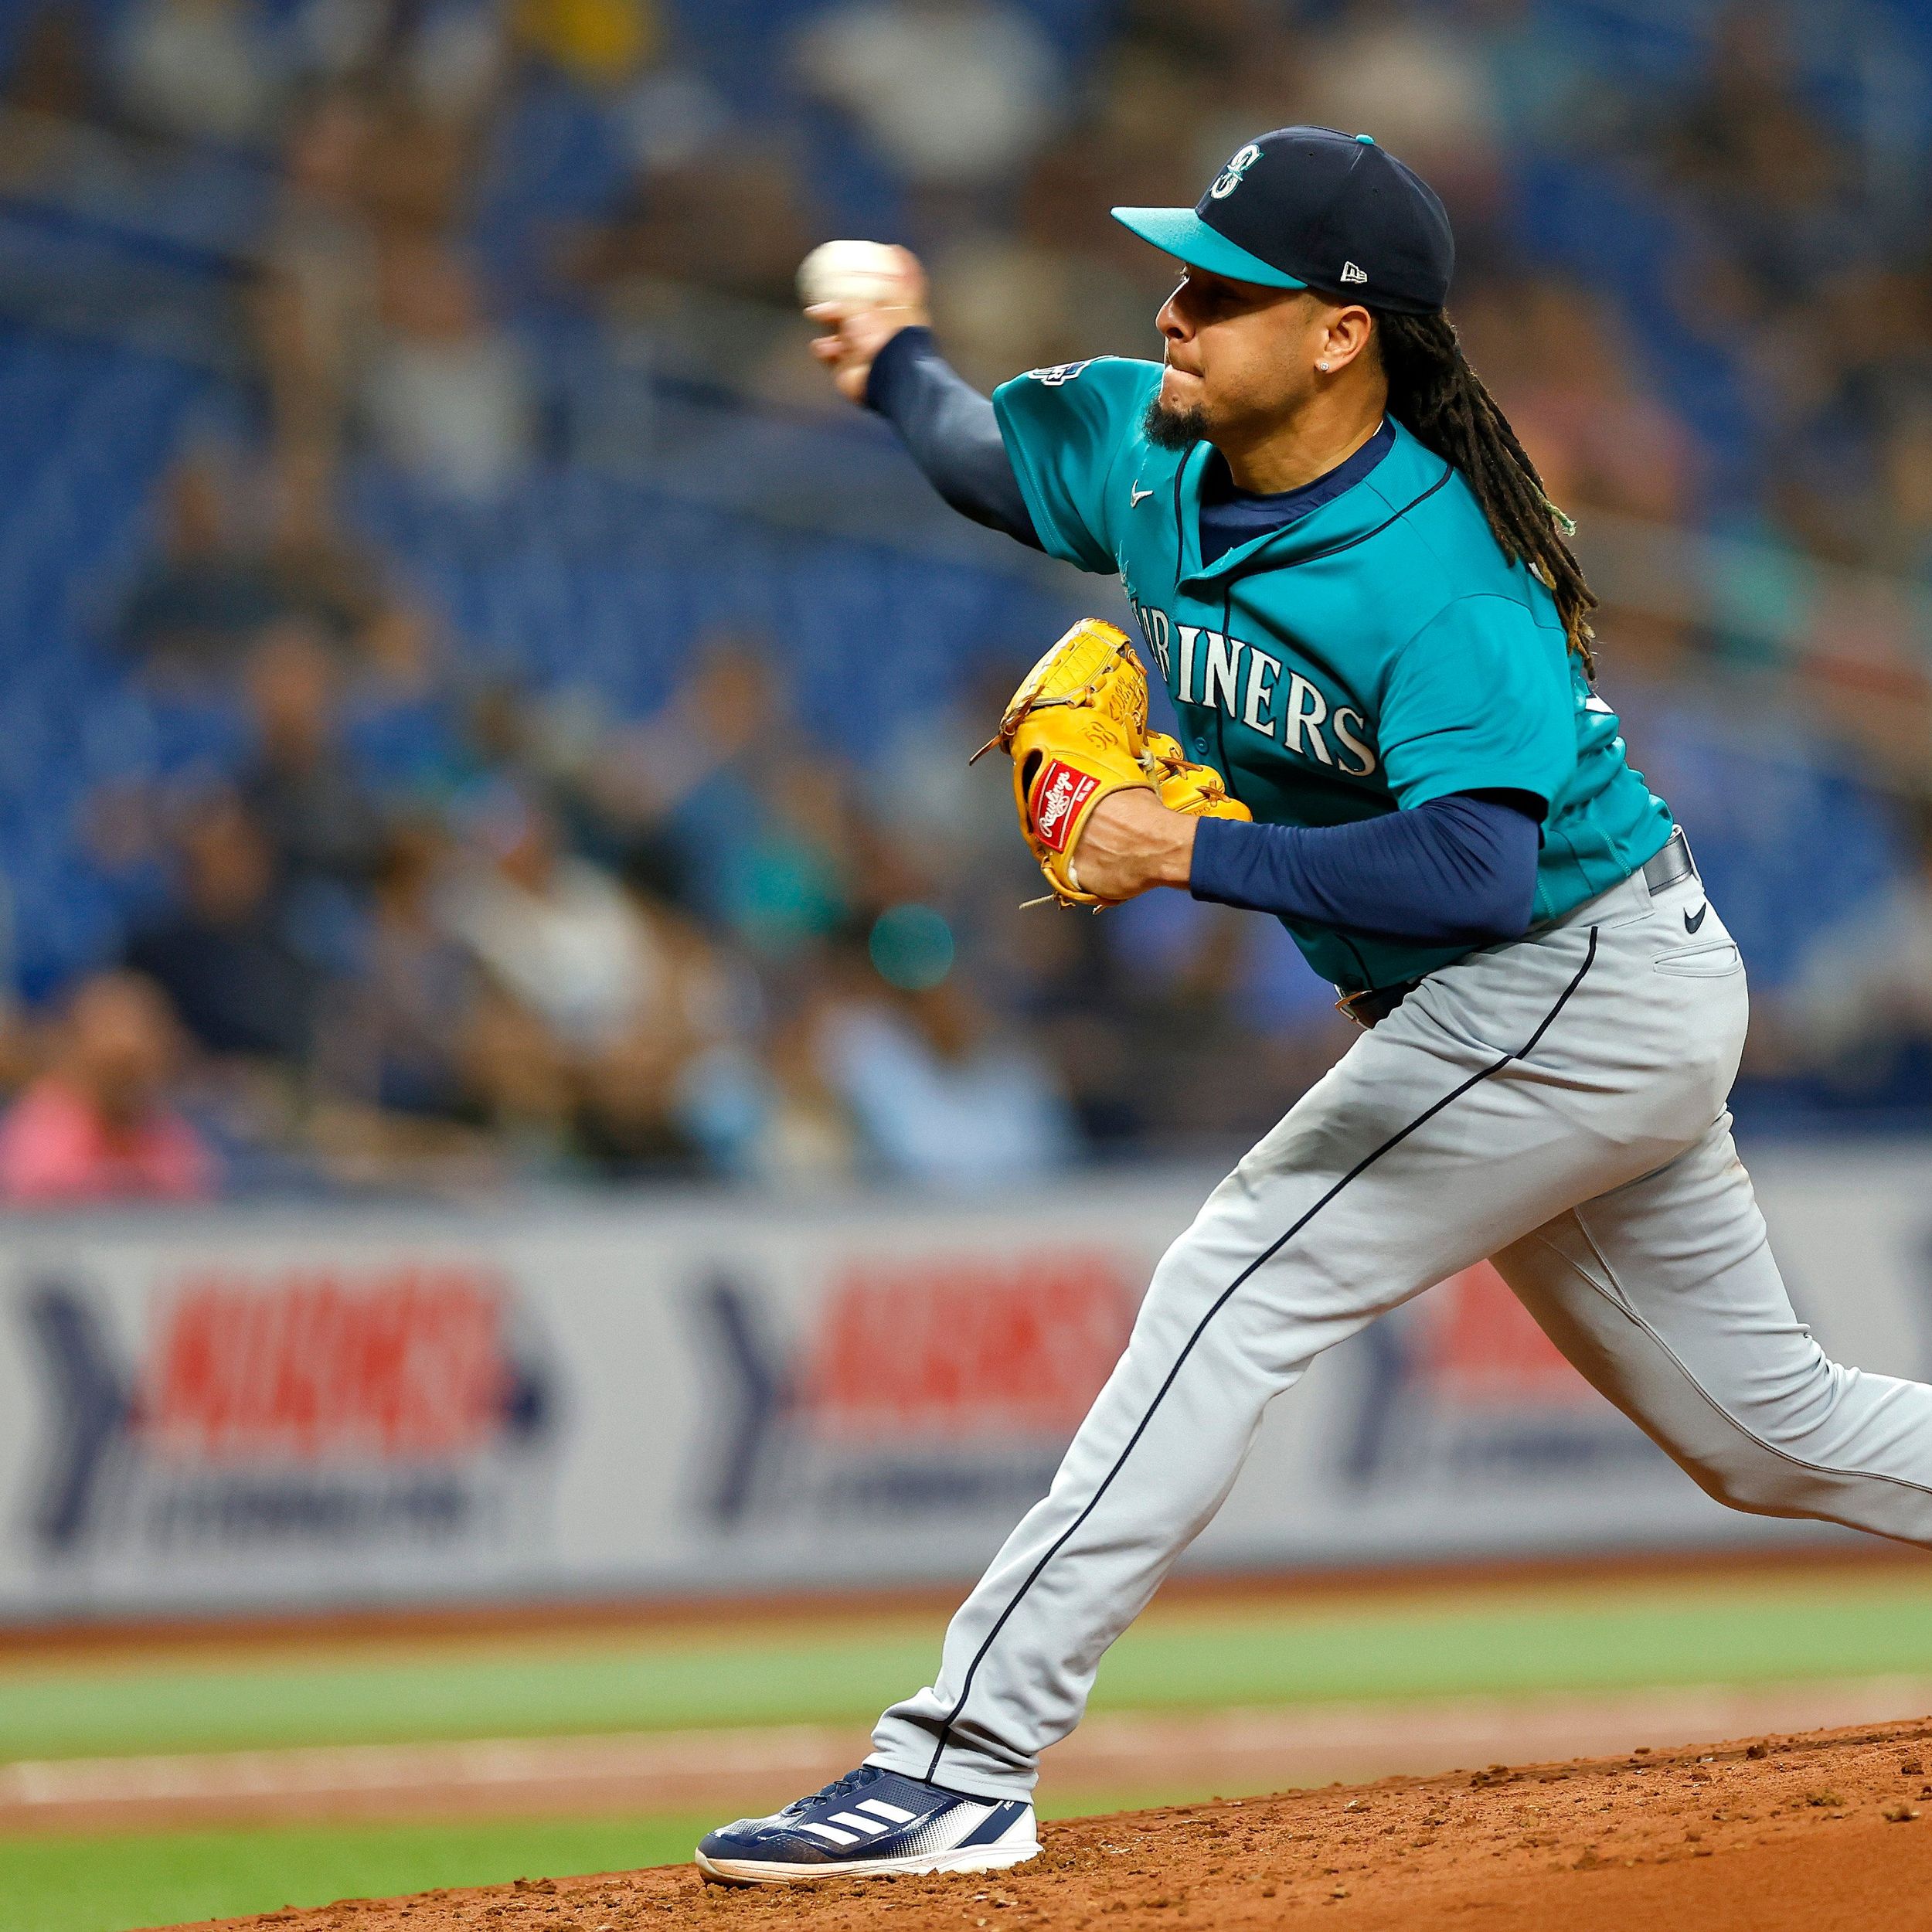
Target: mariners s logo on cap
[1230, 178]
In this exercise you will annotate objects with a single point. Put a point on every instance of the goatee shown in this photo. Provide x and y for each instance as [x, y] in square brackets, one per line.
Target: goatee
[1172, 429]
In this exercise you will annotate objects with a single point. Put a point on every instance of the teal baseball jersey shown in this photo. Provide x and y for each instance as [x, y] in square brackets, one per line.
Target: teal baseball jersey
[1378, 653]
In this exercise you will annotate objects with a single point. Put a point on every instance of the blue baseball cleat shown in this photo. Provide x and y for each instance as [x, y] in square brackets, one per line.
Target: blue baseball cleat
[869, 1823]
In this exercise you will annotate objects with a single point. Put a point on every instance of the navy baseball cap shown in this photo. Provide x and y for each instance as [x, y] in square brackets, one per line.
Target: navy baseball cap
[1313, 208]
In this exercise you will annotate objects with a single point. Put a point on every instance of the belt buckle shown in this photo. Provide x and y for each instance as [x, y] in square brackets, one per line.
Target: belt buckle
[1674, 859]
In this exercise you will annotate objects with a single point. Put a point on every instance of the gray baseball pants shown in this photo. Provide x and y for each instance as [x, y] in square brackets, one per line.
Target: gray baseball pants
[1557, 1104]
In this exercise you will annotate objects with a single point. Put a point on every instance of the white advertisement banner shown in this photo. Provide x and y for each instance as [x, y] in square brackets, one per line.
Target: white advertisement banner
[335, 1407]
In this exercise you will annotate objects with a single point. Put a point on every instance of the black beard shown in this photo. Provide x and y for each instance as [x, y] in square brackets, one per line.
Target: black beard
[1168, 429]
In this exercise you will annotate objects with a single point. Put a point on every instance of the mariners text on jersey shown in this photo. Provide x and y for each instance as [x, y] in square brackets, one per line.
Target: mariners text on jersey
[1203, 667]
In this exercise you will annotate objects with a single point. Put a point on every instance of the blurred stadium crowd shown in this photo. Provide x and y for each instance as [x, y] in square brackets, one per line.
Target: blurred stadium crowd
[459, 676]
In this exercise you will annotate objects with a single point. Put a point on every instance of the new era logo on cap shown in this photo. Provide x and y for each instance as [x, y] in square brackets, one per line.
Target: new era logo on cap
[1351, 273]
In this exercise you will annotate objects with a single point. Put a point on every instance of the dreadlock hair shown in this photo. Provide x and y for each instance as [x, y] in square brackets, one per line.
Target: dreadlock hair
[1436, 395]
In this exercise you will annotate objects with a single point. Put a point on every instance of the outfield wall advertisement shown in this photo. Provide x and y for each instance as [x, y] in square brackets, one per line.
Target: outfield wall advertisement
[347, 1407]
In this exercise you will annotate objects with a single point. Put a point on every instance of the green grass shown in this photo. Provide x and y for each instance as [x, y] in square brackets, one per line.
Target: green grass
[163, 1878]
[1597, 1636]
[86, 1884]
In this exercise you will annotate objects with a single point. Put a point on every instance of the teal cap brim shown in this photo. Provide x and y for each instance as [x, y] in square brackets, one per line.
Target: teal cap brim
[1181, 233]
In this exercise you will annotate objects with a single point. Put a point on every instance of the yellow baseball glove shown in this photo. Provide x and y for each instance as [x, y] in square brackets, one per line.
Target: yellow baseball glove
[1076, 732]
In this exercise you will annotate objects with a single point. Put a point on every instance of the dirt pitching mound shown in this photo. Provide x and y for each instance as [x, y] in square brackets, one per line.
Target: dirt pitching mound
[1821, 1832]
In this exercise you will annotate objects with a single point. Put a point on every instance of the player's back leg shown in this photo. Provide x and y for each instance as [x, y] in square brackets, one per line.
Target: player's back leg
[1665, 1295]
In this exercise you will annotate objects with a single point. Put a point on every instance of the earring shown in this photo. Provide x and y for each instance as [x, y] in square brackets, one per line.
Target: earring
[1323, 367]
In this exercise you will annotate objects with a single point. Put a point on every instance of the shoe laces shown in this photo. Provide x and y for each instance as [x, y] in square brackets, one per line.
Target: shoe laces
[851, 1781]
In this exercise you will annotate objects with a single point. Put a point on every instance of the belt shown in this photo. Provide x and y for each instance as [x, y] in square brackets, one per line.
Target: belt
[1371, 1008]
[1672, 863]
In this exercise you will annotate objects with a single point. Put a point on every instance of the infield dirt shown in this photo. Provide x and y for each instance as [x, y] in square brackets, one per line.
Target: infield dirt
[1822, 1832]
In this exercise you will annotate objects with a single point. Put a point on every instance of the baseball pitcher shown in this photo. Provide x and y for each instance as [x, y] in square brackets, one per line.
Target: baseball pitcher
[1346, 570]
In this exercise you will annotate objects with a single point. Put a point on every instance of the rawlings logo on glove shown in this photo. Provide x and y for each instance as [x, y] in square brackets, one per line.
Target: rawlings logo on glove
[1076, 732]
[1062, 793]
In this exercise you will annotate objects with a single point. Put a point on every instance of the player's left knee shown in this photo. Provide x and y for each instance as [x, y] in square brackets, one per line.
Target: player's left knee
[1750, 1477]
[1817, 1478]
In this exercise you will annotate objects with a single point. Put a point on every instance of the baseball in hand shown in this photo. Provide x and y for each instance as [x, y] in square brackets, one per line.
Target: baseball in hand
[860, 272]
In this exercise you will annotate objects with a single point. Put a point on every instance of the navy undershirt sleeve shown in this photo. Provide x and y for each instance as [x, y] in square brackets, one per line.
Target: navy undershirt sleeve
[950, 431]
[1459, 870]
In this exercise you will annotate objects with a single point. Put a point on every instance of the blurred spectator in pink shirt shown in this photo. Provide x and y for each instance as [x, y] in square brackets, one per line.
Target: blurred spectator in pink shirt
[98, 1125]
